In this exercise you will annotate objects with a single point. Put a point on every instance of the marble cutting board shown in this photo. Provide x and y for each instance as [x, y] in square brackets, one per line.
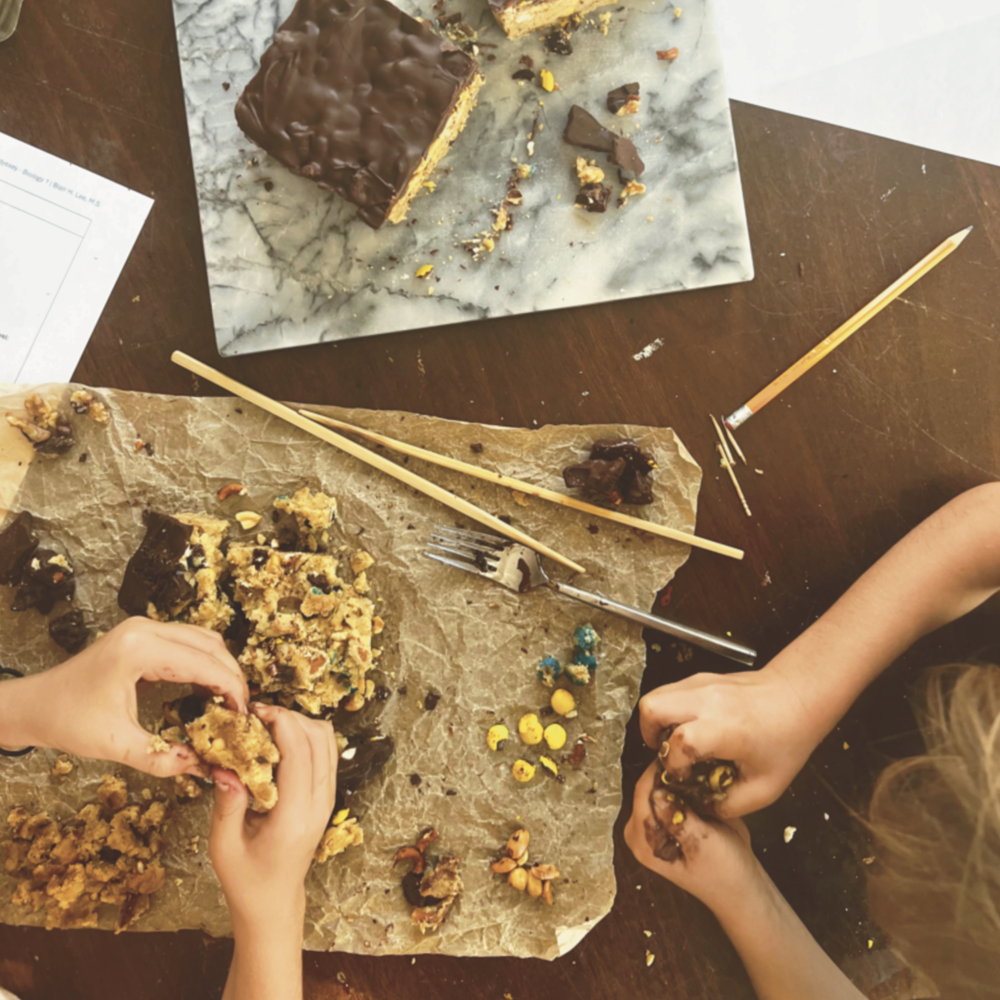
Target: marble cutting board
[290, 264]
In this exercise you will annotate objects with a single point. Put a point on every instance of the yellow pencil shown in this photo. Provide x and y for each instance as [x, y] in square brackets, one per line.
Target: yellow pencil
[858, 320]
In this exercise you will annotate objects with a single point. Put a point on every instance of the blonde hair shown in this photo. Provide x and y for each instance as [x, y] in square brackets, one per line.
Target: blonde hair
[936, 819]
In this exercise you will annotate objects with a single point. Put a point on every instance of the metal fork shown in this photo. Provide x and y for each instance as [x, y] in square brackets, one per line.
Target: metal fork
[519, 568]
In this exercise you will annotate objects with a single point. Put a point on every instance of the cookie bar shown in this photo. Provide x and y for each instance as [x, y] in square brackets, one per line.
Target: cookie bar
[108, 853]
[314, 513]
[521, 17]
[311, 637]
[239, 743]
[361, 98]
[174, 575]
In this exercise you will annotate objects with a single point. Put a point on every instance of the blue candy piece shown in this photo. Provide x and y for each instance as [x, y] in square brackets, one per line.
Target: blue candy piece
[582, 659]
[586, 637]
[548, 670]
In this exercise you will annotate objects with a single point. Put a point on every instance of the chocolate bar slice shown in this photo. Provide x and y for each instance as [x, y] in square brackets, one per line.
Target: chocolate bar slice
[521, 17]
[362, 98]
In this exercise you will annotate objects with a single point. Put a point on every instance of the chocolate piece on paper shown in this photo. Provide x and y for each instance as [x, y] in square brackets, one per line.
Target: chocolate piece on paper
[69, 631]
[593, 197]
[624, 154]
[18, 542]
[155, 573]
[361, 98]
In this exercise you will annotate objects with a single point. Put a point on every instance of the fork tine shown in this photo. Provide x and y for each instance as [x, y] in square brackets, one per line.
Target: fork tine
[468, 567]
[458, 552]
[459, 548]
[478, 537]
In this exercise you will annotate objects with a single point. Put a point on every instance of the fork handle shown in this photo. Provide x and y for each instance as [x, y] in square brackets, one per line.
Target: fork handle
[731, 650]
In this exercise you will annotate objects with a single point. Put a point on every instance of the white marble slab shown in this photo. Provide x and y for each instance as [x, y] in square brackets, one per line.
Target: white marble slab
[290, 264]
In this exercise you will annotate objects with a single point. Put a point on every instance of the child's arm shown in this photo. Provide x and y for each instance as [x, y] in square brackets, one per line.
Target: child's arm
[87, 705]
[769, 721]
[262, 861]
[782, 958]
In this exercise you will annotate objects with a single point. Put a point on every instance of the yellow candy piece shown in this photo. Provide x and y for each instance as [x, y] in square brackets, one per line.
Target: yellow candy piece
[423, 270]
[550, 765]
[530, 729]
[555, 736]
[497, 736]
[562, 702]
[523, 771]
[340, 816]
[548, 81]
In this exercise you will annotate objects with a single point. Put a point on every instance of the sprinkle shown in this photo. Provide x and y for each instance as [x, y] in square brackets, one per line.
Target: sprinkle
[789, 833]
[650, 958]
[423, 271]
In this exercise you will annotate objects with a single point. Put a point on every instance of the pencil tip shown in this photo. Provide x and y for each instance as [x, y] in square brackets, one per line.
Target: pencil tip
[958, 237]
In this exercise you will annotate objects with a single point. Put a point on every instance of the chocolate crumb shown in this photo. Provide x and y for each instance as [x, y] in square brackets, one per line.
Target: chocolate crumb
[523, 74]
[415, 780]
[476, 449]
[431, 701]
[225, 85]
[83, 456]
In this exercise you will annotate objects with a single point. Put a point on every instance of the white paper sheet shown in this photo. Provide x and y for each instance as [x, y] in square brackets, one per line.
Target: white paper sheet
[65, 235]
[925, 72]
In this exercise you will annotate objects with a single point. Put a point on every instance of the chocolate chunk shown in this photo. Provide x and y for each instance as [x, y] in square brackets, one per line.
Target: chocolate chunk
[431, 701]
[557, 41]
[60, 439]
[617, 472]
[17, 544]
[594, 477]
[625, 155]
[476, 449]
[624, 448]
[69, 631]
[44, 580]
[522, 74]
[623, 97]
[416, 780]
[583, 129]
[594, 197]
[352, 93]
[156, 572]
[371, 754]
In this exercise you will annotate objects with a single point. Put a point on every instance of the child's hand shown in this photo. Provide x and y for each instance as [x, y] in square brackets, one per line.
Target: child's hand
[262, 861]
[716, 862]
[87, 705]
[756, 719]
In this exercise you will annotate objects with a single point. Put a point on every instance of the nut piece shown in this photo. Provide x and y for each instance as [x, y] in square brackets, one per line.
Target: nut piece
[562, 702]
[518, 878]
[503, 866]
[667, 55]
[555, 736]
[548, 895]
[534, 886]
[523, 771]
[497, 736]
[530, 729]
[588, 173]
[517, 846]
[233, 489]
[248, 519]
[545, 873]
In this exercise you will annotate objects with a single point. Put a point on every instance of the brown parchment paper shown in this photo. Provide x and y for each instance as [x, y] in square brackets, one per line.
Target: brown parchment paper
[472, 642]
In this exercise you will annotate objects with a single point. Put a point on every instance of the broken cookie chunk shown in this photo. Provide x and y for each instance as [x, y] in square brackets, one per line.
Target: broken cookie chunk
[239, 743]
[85, 403]
[314, 514]
[593, 197]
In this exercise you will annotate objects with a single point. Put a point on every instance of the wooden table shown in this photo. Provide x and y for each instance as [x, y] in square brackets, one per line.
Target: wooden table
[880, 434]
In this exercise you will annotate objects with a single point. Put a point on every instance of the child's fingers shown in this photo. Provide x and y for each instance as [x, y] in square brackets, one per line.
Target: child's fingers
[131, 746]
[747, 795]
[295, 772]
[320, 736]
[228, 814]
[669, 705]
[643, 832]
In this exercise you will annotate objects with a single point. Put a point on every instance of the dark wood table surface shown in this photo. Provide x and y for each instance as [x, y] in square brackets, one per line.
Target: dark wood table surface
[874, 439]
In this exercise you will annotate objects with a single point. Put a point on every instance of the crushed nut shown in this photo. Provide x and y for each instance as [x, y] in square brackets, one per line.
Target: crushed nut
[589, 173]
[667, 55]
[534, 886]
[233, 489]
[789, 833]
[248, 519]
[517, 845]
[518, 879]
[503, 866]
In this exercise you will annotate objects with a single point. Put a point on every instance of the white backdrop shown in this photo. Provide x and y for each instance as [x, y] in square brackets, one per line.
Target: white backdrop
[921, 71]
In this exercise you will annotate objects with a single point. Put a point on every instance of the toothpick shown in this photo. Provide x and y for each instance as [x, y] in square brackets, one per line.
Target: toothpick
[739, 450]
[732, 475]
[725, 447]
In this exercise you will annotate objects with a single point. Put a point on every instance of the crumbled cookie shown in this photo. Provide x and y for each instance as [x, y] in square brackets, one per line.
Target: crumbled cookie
[62, 766]
[187, 789]
[85, 403]
[338, 838]
[46, 428]
[174, 575]
[441, 886]
[314, 514]
[311, 632]
[108, 853]
[239, 743]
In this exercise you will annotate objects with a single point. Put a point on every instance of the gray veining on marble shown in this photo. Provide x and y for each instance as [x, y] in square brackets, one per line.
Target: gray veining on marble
[290, 264]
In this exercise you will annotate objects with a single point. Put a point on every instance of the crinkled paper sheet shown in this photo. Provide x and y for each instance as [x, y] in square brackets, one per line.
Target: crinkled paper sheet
[467, 639]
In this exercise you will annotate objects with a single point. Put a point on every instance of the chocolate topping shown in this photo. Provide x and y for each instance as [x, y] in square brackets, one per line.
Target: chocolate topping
[69, 631]
[60, 439]
[583, 129]
[625, 155]
[617, 472]
[155, 574]
[44, 581]
[619, 97]
[352, 93]
[594, 197]
[17, 543]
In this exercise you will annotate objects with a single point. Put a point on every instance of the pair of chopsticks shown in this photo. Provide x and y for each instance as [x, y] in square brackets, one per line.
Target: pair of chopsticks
[311, 423]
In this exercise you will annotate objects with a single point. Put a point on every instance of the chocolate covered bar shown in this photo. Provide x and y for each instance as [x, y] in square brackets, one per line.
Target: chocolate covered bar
[361, 98]
[521, 17]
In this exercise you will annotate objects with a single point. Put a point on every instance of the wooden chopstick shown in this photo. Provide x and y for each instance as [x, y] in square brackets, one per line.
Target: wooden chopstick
[858, 320]
[527, 488]
[371, 458]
